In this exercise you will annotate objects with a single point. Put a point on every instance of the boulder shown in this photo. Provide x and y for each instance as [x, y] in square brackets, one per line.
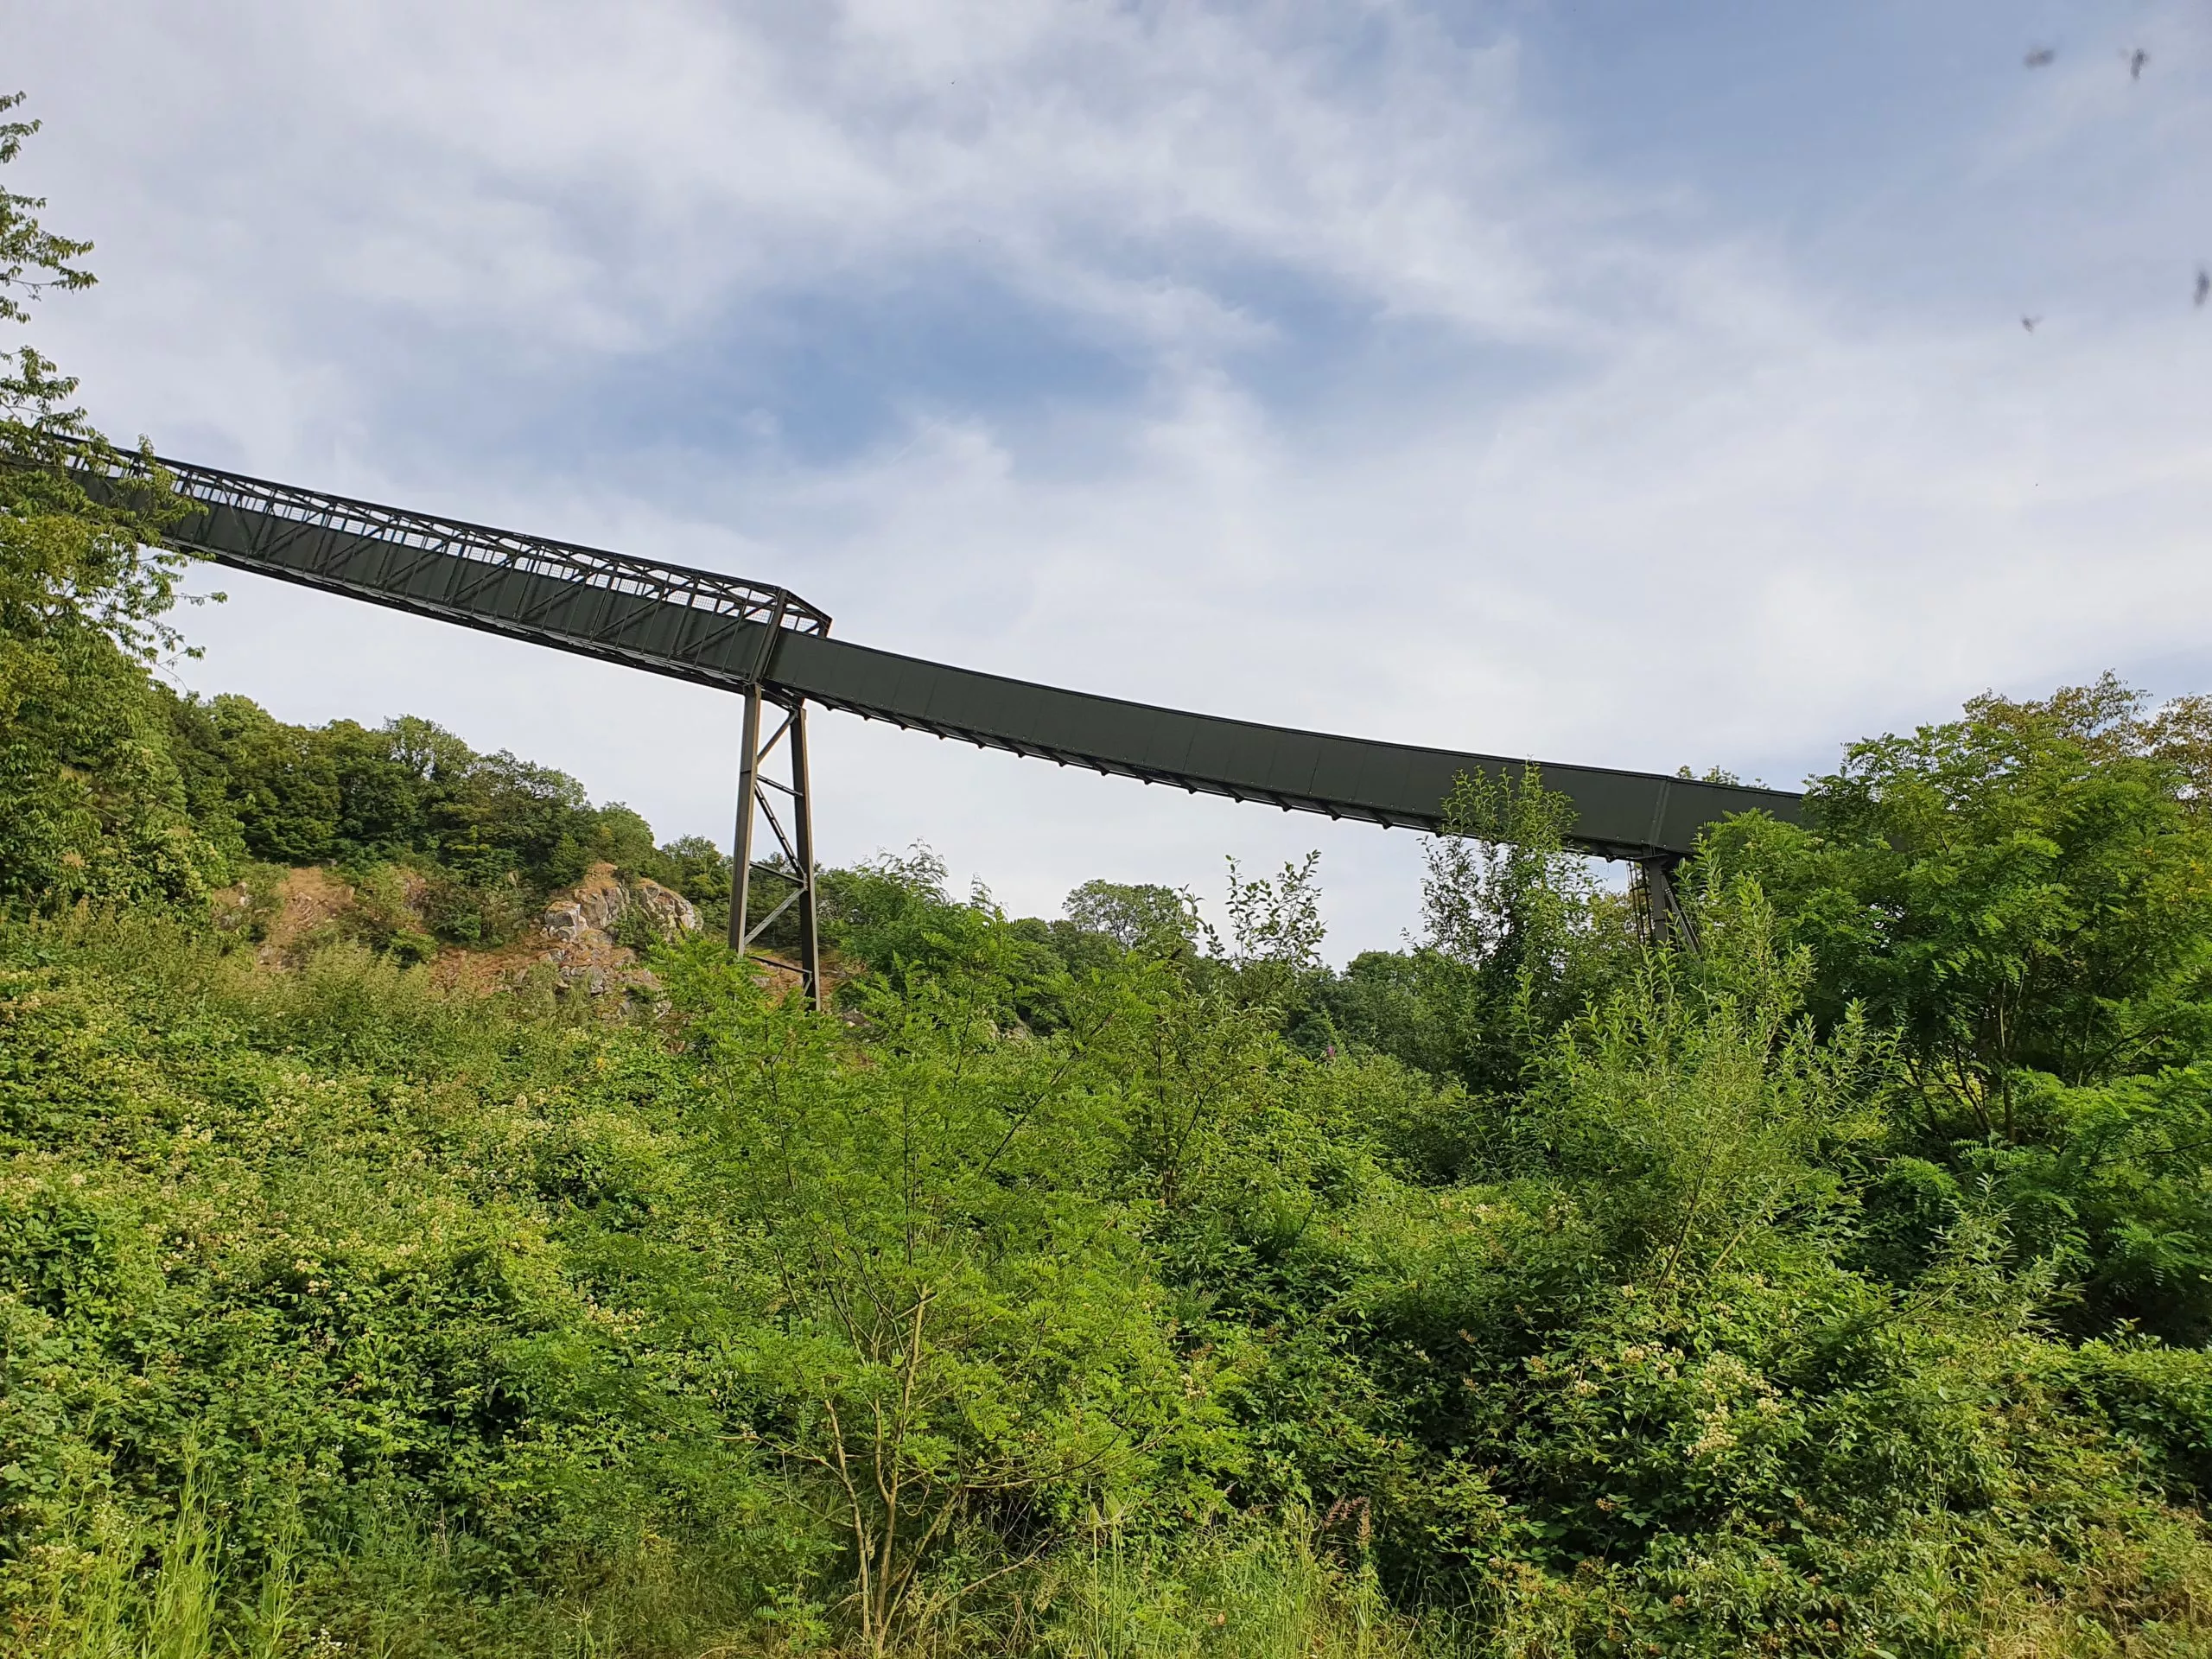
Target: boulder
[581, 923]
[598, 902]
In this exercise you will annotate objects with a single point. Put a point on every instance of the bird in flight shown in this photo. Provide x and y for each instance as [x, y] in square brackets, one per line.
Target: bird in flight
[2203, 286]
[2137, 61]
[2040, 56]
[2028, 324]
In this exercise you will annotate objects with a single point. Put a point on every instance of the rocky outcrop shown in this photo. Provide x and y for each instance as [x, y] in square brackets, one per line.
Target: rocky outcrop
[599, 902]
[588, 934]
[584, 925]
[286, 916]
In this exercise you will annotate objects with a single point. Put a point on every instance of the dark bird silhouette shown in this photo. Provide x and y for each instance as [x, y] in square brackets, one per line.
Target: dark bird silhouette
[2137, 61]
[2039, 57]
[2028, 324]
[2203, 286]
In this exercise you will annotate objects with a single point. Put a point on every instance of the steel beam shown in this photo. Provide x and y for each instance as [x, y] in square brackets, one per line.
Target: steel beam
[714, 629]
[1663, 917]
[795, 876]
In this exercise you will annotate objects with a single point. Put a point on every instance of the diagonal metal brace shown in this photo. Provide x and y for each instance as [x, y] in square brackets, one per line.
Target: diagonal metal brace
[1662, 916]
[796, 843]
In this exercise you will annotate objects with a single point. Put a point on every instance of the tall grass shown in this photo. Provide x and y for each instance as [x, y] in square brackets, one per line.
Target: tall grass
[181, 1610]
[344, 1004]
[105, 1605]
[1249, 1594]
[88, 1614]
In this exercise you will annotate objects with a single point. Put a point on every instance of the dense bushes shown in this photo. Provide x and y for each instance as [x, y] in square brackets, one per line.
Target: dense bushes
[2022, 898]
[475, 1321]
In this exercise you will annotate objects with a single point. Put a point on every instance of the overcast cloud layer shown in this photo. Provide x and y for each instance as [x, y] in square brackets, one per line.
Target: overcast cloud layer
[1544, 379]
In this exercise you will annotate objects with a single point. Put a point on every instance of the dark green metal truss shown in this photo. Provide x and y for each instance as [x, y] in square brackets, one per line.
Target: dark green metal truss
[714, 629]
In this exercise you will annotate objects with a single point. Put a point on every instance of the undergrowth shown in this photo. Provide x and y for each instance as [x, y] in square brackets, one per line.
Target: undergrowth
[345, 1316]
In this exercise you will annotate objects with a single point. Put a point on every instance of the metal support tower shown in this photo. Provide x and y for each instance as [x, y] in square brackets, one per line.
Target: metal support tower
[794, 871]
[1666, 921]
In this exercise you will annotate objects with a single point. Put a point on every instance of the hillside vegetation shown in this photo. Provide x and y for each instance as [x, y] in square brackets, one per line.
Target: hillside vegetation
[1098, 1286]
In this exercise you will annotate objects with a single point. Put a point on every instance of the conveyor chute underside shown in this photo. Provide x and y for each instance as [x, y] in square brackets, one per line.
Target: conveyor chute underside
[714, 629]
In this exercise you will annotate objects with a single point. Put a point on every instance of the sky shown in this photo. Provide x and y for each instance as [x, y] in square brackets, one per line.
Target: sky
[1592, 382]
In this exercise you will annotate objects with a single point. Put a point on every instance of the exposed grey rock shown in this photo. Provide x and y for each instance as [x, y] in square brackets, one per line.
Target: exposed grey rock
[580, 925]
[599, 903]
[565, 921]
[670, 911]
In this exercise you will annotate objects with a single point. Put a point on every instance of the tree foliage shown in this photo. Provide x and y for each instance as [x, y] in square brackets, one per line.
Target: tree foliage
[92, 803]
[1518, 936]
[2022, 898]
[738, 1323]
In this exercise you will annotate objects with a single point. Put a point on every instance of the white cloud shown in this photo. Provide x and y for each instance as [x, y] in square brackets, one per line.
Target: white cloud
[591, 174]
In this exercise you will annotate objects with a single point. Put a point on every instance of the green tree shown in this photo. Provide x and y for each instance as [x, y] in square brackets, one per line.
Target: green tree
[1271, 960]
[2027, 889]
[1691, 1109]
[1132, 914]
[967, 1351]
[1275, 931]
[894, 914]
[92, 805]
[283, 782]
[2022, 898]
[1519, 937]
[68, 560]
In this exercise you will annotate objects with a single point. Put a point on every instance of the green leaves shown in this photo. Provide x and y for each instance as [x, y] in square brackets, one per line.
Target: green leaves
[1694, 1325]
[2027, 889]
[91, 805]
[1520, 936]
[2023, 899]
[1695, 1109]
[69, 559]
[959, 1327]
[32, 258]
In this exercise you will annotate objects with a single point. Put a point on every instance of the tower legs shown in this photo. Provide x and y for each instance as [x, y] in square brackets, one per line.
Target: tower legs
[789, 881]
[1665, 920]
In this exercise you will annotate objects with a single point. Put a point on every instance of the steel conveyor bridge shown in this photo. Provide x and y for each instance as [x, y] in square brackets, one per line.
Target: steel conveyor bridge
[773, 648]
